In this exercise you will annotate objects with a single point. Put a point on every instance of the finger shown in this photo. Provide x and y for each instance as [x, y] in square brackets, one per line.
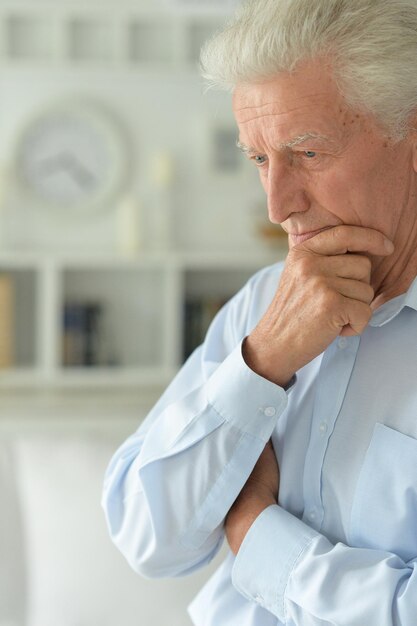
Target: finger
[347, 331]
[356, 317]
[354, 266]
[345, 238]
[353, 289]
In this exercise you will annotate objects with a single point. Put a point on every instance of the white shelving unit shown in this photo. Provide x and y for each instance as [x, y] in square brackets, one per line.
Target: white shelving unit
[139, 300]
[144, 300]
[147, 35]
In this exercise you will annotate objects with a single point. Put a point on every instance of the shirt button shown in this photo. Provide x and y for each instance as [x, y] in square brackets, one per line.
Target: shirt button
[270, 411]
[312, 514]
[258, 598]
[342, 342]
[323, 427]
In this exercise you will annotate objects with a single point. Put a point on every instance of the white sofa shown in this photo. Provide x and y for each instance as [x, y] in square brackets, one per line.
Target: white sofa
[58, 566]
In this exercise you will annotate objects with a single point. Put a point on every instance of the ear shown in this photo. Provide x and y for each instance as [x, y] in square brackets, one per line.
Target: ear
[412, 136]
[414, 148]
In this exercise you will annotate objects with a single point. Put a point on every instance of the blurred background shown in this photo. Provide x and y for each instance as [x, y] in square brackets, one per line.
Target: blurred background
[127, 218]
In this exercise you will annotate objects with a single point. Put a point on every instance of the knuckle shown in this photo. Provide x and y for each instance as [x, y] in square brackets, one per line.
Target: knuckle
[305, 266]
[361, 264]
[338, 234]
[329, 301]
[338, 231]
[366, 263]
[367, 313]
[341, 319]
[317, 284]
[363, 317]
[376, 238]
[370, 294]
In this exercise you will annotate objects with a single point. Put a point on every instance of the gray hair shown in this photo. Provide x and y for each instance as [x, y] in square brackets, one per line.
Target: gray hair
[372, 45]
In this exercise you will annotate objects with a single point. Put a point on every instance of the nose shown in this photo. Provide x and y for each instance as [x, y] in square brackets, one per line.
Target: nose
[285, 191]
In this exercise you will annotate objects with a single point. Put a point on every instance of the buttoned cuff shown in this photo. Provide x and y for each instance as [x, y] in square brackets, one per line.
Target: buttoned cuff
[245, 399]
[265, 561]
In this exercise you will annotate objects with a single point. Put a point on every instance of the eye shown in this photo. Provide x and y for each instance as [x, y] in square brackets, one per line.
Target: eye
[259, 160]
[310, 154]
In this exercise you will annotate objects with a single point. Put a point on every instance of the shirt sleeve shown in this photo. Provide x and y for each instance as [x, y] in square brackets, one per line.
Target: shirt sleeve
[302, 578]
[169, 487]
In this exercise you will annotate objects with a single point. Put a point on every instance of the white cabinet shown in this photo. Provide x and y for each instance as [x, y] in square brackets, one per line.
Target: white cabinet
[147, 34]
[104, 320]
[101, 322]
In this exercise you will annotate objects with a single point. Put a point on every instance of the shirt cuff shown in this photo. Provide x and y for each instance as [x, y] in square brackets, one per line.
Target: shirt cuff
[245, 399]
[267, 557]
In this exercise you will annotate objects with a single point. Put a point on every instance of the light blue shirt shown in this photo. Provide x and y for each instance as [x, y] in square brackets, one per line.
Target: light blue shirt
[340, 547]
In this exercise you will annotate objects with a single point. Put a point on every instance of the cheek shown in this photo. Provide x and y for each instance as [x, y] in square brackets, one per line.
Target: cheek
[359, 193]
[388, 190]
[336, 192]
[263, 177]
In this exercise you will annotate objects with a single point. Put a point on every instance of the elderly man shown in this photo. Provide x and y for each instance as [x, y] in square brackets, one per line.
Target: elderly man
[293, 430]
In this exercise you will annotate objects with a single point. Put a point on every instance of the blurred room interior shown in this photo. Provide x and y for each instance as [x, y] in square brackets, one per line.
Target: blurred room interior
[127, 218]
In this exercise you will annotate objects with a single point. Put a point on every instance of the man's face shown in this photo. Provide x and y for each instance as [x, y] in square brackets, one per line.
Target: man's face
[320, 164]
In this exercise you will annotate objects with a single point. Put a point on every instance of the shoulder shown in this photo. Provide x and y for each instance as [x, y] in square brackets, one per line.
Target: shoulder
[262, 286]
[240, 314]
[251, 302]
[266, 278]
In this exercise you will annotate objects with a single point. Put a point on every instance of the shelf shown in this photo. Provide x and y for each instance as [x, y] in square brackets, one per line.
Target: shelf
[180, 260]
[18, 317]
[234, 261]
[125, 331]
[28, 37]
[144, 330]
[88, 35]
[86, 379]
[197, 32]
[114, 377]
[152, 7]
[90, 40]
[215, 283]
[90, 321]
[206, 291]
[150, 41]
[20, 377]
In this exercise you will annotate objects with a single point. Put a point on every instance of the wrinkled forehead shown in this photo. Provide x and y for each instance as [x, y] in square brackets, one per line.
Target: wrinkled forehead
[311, 84]
[307, 100]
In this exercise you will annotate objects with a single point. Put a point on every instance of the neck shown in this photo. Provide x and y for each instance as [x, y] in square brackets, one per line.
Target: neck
[393, 275]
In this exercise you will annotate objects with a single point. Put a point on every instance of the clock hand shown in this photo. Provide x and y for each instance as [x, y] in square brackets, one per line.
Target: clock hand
[50, 165]
[82, 175]
[68, 163]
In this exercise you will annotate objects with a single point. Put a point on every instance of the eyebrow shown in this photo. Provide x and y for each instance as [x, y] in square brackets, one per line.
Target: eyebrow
[282, 146]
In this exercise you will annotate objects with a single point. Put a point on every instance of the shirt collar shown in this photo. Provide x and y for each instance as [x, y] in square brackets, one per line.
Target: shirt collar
[387, 311]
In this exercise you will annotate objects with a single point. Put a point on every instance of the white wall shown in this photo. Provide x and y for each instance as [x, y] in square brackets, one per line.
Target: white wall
[161, 113]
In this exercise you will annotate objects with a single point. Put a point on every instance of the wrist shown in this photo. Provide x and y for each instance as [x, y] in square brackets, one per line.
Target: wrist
[243, 514]
[264, 362]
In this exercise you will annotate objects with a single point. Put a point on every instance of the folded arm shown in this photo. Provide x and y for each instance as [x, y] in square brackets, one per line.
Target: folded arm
[169, 488]
[301, 577]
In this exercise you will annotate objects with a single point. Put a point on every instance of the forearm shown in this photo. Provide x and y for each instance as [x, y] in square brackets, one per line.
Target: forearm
[260, 491]
[300, 576]
[167, 501]
[245, 510]
[269, 361]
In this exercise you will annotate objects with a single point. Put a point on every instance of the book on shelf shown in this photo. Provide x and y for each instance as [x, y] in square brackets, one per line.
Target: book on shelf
[82, 334]
[198, 315]
[6, 321]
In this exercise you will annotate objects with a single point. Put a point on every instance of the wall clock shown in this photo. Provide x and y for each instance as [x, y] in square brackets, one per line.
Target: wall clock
[73, 157]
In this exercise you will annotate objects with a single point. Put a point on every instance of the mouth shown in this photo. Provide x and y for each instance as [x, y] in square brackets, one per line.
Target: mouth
[296, 239]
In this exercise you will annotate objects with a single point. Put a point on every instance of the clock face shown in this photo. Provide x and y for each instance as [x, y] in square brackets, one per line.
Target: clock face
[73, 157]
